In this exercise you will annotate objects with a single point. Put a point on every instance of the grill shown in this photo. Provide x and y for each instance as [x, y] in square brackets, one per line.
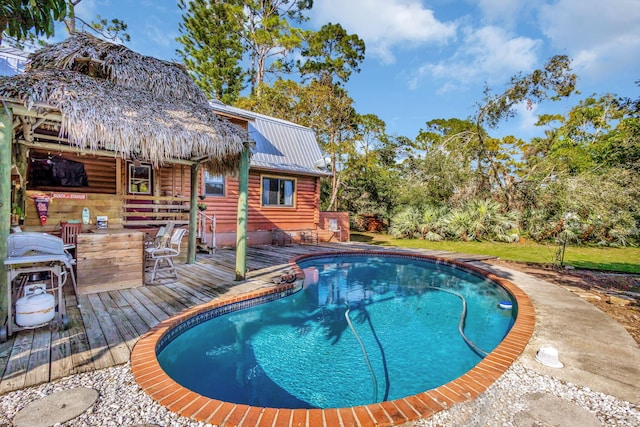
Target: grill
[32, 255]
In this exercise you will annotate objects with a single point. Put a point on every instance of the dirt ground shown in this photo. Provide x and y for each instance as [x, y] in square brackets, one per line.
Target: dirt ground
[618, 295]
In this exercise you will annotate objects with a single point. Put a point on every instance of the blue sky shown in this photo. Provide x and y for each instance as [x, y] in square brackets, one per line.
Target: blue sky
[431, 59]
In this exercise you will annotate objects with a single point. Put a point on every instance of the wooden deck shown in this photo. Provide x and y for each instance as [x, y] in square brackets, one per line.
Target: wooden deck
[105, 326]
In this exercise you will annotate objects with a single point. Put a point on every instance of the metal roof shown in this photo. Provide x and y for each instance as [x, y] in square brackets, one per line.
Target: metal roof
[281, 145]
[12, 61]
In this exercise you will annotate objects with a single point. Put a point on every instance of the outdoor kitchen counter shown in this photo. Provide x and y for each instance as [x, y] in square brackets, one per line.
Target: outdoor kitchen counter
[109, 259]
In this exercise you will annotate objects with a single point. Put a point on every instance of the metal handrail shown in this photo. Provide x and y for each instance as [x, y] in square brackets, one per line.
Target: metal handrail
[201, 231]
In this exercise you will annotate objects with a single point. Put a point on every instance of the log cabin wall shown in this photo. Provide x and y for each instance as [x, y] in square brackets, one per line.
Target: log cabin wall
[174, 180]
[107, 179]
[100, 196]
[261, 220]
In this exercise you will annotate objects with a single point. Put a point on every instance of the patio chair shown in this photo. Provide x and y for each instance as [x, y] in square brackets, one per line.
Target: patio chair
[69, 234]
[280, 237]
[335, 229]
[309, 236]
[162, 257]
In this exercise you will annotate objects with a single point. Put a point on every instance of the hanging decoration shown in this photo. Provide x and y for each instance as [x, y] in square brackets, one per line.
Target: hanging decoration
[42, 207]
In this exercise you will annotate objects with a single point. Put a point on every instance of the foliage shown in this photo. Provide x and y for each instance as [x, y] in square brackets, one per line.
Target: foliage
[331, 53]
[57, 11]
[269, 36]
[226, 42]
[212, 47]
[478, 220]
[114, 29]
[20, 18]
[611, 259]
[371, 177]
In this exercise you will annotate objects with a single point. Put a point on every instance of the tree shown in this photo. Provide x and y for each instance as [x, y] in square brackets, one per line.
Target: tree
[495, 159]
[331, 52]
[20, 18]
[268, 34]
[25, 21]
[212, 47]
[370, 176]
[221, 35]
[586, 167]
[114, 29]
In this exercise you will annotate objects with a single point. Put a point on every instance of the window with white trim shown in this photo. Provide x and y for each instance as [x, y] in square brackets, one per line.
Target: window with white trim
[139, 179]
[278, 191]
[213, 185]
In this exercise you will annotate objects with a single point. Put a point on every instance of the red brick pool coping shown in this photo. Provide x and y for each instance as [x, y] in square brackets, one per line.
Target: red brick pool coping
[160, 387]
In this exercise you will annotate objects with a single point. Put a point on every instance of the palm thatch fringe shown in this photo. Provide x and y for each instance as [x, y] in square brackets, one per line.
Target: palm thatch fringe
[139, 107]
[97, 58]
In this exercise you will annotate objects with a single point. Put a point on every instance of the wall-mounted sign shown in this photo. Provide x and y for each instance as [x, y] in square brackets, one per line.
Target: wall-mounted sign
[74, 196]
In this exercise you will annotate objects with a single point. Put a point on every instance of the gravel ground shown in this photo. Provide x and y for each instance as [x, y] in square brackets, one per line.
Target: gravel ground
[122, 403]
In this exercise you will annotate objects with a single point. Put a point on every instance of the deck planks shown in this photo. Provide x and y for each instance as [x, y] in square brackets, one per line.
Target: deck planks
[106, 326]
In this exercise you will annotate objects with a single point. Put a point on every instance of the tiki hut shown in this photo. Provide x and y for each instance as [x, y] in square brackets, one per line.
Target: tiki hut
[112, 108]
[111, 98]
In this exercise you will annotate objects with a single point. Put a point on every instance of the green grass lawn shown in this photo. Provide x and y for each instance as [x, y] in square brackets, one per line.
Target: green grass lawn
[625, 260]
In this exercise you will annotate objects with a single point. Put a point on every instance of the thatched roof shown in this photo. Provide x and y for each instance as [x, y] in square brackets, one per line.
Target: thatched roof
[111, 98]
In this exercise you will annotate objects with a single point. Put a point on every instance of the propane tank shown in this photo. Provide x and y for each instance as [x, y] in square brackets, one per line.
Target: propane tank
[35, 308]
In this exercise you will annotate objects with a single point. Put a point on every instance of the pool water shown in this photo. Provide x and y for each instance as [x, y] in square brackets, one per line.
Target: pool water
[300, 351]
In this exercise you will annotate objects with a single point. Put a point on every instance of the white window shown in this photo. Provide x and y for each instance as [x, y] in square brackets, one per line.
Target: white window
[278, 191]
[139, 179]
[213, 185]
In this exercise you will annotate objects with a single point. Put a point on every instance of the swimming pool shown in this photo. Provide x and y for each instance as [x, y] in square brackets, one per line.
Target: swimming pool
[341, 293]
[364, 329]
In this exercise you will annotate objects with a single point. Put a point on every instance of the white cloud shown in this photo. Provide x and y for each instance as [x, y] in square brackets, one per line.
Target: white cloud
[488, 54]
[599, 36]
[502, 12]
[385, 25]
[87, 10]
[155, 30]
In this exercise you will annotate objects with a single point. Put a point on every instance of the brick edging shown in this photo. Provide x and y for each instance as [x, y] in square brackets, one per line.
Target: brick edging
[163, 389]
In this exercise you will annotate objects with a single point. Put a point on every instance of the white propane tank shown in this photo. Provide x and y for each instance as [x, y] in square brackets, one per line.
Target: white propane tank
[35, 309]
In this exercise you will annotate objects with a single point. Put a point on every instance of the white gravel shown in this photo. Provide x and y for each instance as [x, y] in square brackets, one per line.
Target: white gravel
[122, 403]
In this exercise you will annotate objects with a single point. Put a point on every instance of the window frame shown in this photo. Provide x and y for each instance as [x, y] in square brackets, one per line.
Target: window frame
[204, 185]
[294, 197]
[130, 177]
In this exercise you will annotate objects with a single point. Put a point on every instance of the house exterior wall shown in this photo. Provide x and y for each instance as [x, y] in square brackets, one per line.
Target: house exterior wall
[108, 184]
[107, 178]
[303, 215]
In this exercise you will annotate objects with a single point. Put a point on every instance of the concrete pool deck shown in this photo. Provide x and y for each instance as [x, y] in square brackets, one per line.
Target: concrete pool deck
[597, 351]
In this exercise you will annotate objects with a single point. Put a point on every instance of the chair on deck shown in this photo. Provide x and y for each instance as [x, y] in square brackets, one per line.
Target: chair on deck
[280, 237]
[335, 229]
[69, 234]
[309, 236]
[165, 254]
[161, 237]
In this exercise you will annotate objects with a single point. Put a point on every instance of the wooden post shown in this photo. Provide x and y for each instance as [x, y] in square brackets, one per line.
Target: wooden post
[243, 207]
[6, 136]
[193, 213]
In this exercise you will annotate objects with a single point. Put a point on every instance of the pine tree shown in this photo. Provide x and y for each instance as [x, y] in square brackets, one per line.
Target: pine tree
[212, 47]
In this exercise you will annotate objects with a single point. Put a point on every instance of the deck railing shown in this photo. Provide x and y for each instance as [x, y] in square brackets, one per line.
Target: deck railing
[206, 231]
[145, 211]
